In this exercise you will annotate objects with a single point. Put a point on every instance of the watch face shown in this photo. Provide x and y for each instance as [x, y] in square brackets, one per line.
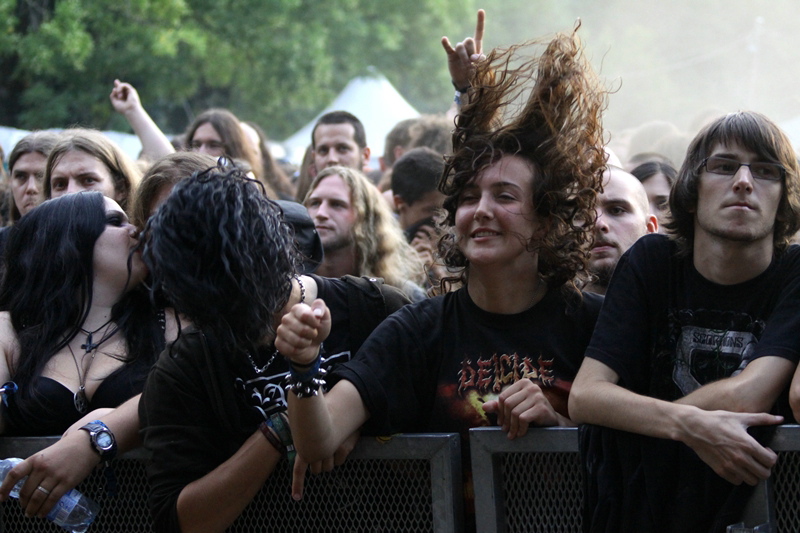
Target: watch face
[104, 440]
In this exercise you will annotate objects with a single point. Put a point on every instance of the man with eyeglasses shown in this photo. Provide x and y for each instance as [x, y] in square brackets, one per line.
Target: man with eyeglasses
[696, 342]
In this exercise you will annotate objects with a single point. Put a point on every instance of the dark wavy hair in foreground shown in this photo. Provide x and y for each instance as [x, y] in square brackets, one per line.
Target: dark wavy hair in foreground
[219, 251]
[546, 110]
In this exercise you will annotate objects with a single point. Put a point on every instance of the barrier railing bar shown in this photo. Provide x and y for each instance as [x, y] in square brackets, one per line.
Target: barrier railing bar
[441, 451]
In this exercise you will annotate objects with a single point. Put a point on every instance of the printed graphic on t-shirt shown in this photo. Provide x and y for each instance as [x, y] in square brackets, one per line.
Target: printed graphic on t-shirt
[705, 355]
[481, 379]
[267, 394]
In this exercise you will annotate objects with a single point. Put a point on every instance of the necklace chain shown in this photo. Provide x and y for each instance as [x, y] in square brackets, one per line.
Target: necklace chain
[265, 367]
[302, 289]
[88, 346]
[79, 398]
[275, 352]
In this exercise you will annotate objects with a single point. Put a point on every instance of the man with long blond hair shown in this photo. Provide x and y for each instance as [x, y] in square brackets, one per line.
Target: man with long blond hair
[359, 234]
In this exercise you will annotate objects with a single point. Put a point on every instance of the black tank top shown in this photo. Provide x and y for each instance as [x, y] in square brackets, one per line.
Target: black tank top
[48, 407]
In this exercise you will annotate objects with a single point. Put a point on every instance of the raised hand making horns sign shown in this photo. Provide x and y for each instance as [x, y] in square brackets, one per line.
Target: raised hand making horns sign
[461, 59]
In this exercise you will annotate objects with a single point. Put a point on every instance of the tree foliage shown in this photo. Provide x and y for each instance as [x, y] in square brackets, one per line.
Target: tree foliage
[273, 61]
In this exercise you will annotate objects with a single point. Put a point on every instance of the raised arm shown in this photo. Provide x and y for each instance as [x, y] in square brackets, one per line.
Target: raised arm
[126, 102]
[461, 59]
[321, 423]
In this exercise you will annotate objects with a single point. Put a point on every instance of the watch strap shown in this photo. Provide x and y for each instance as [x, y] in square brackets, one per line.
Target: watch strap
[94, 429]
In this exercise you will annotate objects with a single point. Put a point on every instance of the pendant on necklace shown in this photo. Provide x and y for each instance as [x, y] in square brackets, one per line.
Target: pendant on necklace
[80, 401]
[89, 346]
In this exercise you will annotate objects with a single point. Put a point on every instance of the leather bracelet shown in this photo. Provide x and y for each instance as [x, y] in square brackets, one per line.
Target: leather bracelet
[272, 438]
[306, 375]
[312, 363]
[279, 423]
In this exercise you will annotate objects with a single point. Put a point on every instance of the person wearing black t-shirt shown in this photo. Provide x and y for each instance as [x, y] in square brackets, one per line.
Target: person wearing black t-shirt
[696, 342]
[212, 410]
[504, 348]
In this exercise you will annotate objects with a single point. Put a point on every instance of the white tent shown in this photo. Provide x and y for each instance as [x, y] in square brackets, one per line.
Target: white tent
[129, 143]
[375, 102]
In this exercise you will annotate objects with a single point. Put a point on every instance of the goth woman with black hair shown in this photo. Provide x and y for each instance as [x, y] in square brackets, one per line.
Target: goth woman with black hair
[213, 409]
[75, 333]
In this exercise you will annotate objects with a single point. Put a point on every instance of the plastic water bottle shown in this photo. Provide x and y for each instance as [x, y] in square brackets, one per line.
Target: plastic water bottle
[74, 511]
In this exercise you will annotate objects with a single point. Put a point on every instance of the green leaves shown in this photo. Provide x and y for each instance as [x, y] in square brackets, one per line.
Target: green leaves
[276, 62]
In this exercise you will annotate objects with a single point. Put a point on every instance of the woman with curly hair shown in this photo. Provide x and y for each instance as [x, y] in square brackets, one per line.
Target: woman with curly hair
[503, 348]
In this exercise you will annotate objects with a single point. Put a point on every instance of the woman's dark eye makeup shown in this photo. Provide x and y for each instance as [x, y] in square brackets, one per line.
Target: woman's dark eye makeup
[115, 220]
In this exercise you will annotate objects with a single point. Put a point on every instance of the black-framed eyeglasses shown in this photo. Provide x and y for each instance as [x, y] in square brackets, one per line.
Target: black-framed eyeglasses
[728, 167]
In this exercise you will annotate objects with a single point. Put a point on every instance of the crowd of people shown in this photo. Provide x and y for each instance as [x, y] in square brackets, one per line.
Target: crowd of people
[503, 267]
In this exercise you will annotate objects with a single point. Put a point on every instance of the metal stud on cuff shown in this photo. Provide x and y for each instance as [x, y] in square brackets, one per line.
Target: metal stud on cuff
[307, 388]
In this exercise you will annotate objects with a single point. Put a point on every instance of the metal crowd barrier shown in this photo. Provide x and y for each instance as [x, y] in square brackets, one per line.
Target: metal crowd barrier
[534, 484]
[413, 483]
[530, 484]
[404, 483]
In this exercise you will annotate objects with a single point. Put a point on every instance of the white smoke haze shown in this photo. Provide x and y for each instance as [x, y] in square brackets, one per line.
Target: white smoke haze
[675, 63]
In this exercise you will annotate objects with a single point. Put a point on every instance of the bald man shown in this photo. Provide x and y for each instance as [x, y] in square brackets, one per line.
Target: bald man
[623, 215]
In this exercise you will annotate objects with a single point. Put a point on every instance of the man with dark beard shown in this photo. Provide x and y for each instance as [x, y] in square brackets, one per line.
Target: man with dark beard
[623, 215]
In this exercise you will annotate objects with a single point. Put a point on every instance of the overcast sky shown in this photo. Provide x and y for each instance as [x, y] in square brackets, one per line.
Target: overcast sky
[675, 60]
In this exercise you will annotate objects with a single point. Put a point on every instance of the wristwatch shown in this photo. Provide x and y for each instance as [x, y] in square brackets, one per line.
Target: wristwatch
[102, 439]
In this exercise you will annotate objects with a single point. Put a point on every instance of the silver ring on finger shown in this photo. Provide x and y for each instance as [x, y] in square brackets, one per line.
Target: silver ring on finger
[40, 488]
